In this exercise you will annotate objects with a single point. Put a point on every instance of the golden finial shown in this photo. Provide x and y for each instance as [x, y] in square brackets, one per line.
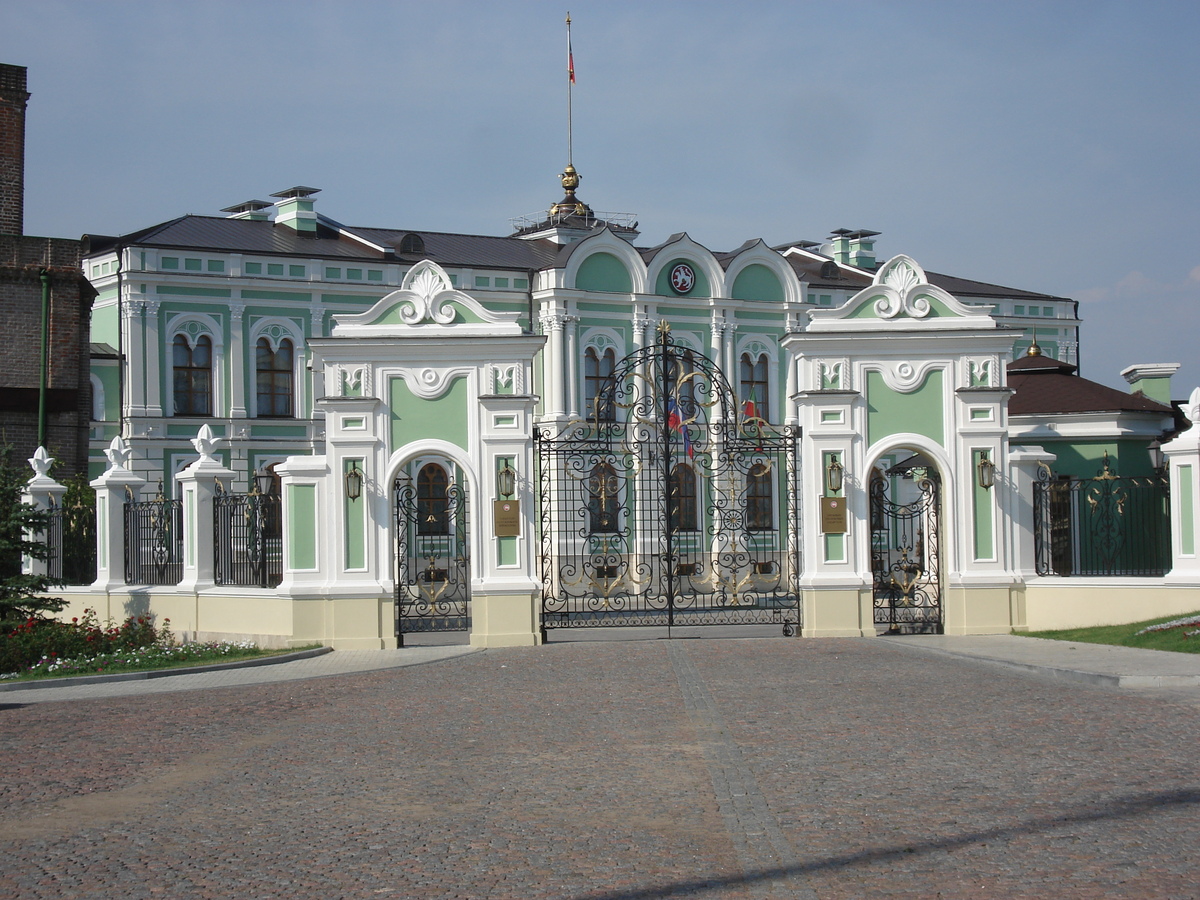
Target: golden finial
[1034, 349]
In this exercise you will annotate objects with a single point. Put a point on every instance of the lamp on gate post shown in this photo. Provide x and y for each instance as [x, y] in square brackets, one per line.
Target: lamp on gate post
[506, 481]
[986, 471]
[263, 480]
[1158, 459]
[834, 475]
[354, 482]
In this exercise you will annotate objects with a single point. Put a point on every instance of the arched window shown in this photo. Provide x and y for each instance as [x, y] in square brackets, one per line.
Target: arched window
[192, 376]
[759, 506]
[432, 511]
[604, 501]
[683, 498]
[753, 387]
[597, 369]
[412, 243]
[276, 385]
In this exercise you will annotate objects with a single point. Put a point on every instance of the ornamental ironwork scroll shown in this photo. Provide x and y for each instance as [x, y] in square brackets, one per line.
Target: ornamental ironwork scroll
[669, 503]
[905, 563]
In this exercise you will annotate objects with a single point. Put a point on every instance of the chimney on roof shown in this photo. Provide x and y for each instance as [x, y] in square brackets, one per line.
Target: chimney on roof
[839, 245]
[1152, 380]
[13, 98]
[254, 210]
[862, 249]
[295, 210]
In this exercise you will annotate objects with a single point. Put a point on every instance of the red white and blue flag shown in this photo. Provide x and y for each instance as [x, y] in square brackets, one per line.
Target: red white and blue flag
[675, 423]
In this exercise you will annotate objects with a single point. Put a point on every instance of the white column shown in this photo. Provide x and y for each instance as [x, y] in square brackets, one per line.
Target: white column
[552, 326]
[573, 362]
[154, 351]
[133, 340]
[237, 361]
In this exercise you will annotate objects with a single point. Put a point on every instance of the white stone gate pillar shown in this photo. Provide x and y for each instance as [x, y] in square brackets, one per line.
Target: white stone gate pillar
[1183, 458]
[43, 493]
[198, 484]
[111, 490]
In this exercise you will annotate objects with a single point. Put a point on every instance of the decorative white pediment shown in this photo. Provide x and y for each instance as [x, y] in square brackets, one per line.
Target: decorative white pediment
[426, 301]
[901, 297]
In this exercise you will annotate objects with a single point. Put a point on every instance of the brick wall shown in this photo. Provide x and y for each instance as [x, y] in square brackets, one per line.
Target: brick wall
[13, 97]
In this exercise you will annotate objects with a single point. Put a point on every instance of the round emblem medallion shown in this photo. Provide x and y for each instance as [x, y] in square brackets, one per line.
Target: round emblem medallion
[683, 279]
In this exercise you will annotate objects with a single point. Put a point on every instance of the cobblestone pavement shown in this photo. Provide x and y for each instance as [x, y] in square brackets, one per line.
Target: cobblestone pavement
[768, 768]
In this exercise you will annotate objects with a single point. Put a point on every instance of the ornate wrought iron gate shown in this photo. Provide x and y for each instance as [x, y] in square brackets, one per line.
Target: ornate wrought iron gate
[669, 504]
[904, 550]
[433, 572]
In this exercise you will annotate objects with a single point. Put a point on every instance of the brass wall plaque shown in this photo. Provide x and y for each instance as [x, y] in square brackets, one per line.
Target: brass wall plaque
[506, 516]
[833, 515]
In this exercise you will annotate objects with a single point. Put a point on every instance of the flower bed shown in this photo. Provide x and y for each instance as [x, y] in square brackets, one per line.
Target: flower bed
[46, 647]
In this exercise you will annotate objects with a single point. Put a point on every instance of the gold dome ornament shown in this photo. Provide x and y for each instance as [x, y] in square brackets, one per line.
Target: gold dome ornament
[569, 205]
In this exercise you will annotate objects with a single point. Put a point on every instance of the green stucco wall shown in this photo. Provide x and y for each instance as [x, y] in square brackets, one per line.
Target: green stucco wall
[981, 506]
[604, 272]
[892, 412]
[443, 418]
[1187, 514]
[302, 525]
[1084, 459]
[757, 283]
[355, 546]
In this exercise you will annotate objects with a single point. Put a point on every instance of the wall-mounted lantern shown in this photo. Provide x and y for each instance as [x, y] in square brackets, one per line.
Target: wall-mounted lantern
[506, 480]
[834, 475]
[354, 482]
[1158, 459]
[986, 471]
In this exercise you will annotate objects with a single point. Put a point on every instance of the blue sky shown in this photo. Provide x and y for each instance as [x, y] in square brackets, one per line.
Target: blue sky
[1048, 146]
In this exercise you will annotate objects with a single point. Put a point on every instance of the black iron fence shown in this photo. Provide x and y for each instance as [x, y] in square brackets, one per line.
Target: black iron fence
[247, 539]
[71, 537]
[1107, 525]
[153, 540]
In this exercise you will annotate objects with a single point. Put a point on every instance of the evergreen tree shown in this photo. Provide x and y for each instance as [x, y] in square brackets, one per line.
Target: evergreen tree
[20, 594]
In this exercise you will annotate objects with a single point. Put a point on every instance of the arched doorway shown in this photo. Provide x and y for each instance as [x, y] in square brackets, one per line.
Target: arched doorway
[905, 544]
[433, 571]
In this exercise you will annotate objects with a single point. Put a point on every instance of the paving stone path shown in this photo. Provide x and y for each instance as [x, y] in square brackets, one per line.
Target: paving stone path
[767, 768]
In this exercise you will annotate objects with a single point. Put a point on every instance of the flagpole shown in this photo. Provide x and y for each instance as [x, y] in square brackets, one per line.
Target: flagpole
[570, 84]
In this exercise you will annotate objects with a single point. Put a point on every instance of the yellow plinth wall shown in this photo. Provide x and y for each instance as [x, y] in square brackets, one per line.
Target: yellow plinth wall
[507, 619]
[1052, 603]
[979, 609]
[837, 612]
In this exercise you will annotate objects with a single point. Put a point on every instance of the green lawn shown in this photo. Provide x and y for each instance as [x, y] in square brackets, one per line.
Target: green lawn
[1127, 635]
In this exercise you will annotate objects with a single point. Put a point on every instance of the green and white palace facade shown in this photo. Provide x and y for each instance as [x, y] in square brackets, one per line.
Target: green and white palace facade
[358, 435]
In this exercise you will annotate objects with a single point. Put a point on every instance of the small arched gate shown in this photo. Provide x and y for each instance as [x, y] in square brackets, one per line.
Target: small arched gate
[433, 566]
[905, 560]
[669, 503]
